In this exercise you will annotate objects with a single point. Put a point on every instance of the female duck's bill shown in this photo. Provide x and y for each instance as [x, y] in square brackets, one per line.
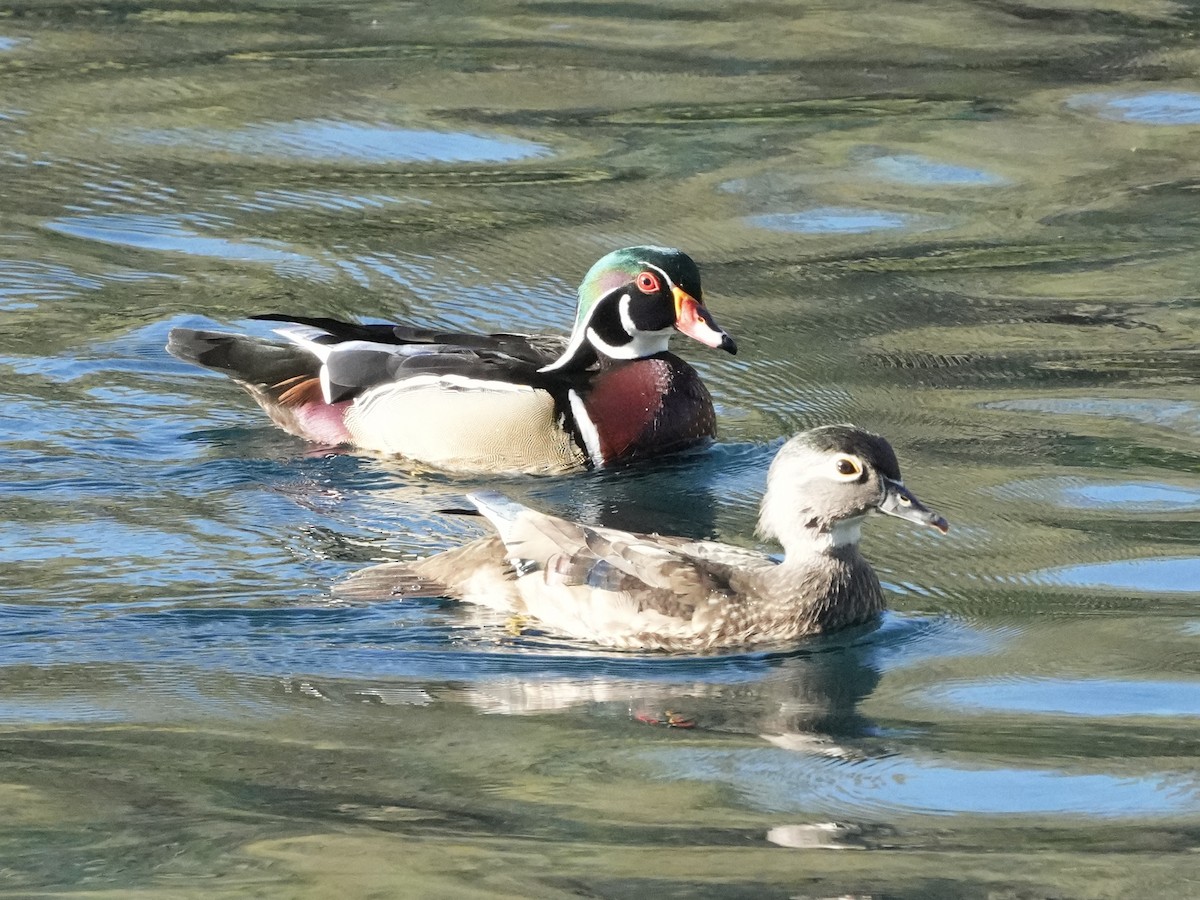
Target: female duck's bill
[653, 592]
[609, 394]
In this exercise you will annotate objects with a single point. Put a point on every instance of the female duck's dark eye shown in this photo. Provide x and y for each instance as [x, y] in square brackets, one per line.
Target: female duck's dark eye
[848, 467]
[648, 283]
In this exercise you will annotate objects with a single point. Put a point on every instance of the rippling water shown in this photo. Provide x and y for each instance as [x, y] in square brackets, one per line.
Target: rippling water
[970, 226]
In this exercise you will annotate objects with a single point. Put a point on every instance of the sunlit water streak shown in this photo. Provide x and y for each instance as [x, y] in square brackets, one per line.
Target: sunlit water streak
[331, 140]
[1097, 698]
[1162, 575]
[914, 169]
[877, 789]
[1150, 108]
[841, 220]
[333, 201]
[1124, 496]
[1180, 415]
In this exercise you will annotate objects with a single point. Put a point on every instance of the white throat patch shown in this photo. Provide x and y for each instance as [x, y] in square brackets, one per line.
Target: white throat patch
[846, 532]
[642, 343]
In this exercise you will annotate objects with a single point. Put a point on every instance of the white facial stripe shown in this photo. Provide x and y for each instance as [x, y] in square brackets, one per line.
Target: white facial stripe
[666, 277]
[657, 343]
[582, 331]
[587, 429]
[626, 318]
[643, 343]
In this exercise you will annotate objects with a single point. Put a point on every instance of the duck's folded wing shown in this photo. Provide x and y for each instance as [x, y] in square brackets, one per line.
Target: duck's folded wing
[611, 586]
[535, 349]
[638, 591]
[647, 572]
[351, 368]
[676, 565]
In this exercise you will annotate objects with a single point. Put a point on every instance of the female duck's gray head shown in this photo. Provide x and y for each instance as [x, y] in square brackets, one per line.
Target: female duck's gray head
[632, 300]
[823, 482]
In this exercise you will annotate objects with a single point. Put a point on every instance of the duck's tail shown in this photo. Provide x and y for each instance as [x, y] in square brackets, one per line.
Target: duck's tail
[254, 361]
[285, 379]
[388, 581]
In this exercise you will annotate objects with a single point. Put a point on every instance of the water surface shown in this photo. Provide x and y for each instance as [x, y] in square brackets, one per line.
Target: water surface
[971, 227]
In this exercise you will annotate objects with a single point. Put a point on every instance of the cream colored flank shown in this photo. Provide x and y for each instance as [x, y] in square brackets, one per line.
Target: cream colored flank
[488, 427]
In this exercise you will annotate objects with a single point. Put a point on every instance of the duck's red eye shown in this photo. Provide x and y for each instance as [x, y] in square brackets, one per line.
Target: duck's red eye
[648, 283]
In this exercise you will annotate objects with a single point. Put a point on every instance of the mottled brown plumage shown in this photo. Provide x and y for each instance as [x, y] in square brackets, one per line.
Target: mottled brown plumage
[649, 592]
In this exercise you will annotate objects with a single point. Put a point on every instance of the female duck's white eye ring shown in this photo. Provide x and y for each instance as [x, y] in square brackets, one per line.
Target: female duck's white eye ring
[848, 468]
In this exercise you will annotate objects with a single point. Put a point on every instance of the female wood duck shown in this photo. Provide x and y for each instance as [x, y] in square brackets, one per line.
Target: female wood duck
[610, 393]
[647, 592]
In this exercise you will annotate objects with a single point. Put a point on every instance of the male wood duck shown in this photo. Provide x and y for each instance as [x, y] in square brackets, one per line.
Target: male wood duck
[649, 592]
[610, 393]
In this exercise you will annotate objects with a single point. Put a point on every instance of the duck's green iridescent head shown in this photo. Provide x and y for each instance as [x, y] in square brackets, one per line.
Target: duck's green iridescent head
[632, 300]
[620, 267]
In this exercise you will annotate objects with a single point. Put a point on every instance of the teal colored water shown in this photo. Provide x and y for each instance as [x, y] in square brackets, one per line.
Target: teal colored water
[971, 227]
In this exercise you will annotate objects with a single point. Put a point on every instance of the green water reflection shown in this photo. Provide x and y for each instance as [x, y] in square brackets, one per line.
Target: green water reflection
[970, 226]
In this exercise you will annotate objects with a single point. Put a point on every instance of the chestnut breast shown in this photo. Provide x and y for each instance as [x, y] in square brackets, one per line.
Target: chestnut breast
[645, 407]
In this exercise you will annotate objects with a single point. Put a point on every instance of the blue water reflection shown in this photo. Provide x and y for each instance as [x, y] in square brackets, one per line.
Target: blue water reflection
[902, 642]
[1127, 496]
[25, 283]
[1093, 697]
[912, 168]
[1133, 494]
[780, 781]
[1155, 575]
[1181, 415]
[1149, 108]
[180, 234]
[330, 139]
[837, 220]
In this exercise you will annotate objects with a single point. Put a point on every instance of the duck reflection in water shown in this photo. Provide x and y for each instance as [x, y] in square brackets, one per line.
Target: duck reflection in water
[805, 700]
